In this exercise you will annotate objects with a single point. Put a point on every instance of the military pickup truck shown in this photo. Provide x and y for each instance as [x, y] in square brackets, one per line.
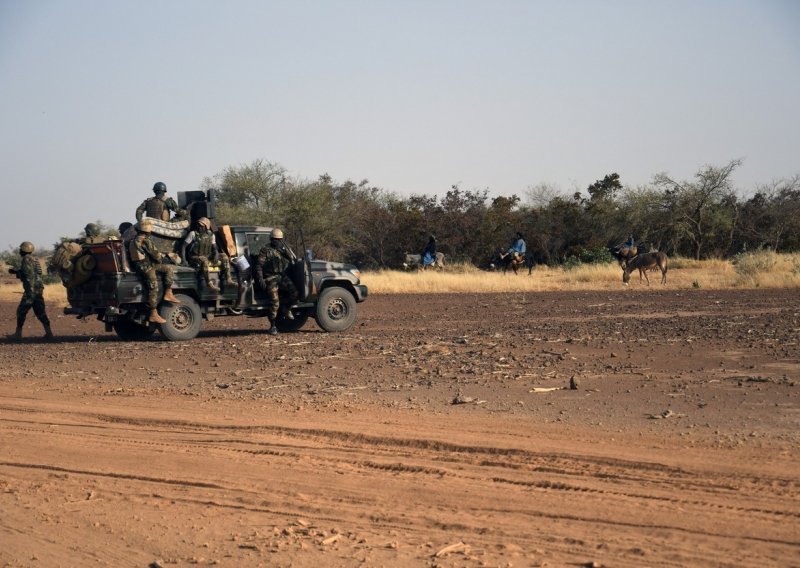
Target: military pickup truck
[329, 292]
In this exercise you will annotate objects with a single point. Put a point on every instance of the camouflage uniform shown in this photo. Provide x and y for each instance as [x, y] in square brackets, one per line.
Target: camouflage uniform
[158, 208]
[30, 272]
[271, 265]
[147, 261]
[200, 248]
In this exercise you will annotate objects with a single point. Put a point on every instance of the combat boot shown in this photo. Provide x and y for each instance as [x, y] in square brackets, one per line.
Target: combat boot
[273, 330]
[288, 314]
[48, 333]
[155, 317]
[213, 287]
[170, 297]
[17, 335]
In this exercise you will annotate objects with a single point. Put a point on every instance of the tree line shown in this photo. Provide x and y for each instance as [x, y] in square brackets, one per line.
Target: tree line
[705, 217]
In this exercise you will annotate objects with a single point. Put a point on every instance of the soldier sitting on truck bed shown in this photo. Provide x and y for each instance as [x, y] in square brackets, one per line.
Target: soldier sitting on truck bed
[273, 260]
[148, 262]
[158, 207]
[200, 248]
[93, 236]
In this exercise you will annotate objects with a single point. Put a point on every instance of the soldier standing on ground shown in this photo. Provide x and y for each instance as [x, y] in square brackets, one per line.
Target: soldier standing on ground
[148, 262]
[273, 260]
[199, 248]
[30, 272]
[158, 207]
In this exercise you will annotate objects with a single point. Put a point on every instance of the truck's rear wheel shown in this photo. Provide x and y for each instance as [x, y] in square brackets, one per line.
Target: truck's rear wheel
[129, 330]
[336, 309]
[183, 320]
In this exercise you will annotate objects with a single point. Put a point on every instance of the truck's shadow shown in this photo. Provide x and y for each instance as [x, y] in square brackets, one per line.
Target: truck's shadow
[157, 337]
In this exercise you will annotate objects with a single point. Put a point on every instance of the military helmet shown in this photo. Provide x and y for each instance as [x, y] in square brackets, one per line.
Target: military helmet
[26, 247]
[145, 226]
[92, 230]
[160, 187]
[204, 222]
[277, 234]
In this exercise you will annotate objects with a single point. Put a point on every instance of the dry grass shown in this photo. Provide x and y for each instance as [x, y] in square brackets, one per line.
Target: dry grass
[776, 271]
[683, 274]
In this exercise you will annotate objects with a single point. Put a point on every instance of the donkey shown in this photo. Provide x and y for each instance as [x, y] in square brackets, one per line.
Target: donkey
[624, 254]
[645, 262]
[415, 261]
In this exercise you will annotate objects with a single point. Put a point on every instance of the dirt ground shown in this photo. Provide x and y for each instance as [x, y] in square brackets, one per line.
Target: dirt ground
[439, 431]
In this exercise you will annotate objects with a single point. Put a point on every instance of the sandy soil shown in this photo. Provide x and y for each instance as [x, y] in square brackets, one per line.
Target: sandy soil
[440, 431]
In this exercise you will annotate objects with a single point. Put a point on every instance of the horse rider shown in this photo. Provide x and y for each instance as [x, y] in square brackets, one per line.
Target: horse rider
[429, 254]
[630, 243]
[517, 249]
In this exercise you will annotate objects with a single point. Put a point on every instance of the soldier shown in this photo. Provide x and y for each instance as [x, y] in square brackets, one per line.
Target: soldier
[158, 207]
[30, 272]
[199, 248]
[92, 232]
[273, 260]
[148, 261]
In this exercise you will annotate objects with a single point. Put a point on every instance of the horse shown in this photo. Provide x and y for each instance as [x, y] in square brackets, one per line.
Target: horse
[643, 263]
[415, 261]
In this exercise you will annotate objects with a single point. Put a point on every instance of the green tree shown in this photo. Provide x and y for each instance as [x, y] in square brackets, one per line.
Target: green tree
[702, 208]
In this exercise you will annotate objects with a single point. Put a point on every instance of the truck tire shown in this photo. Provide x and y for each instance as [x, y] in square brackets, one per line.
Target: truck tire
[129, 330]
[336, 309]
[183, 320]
[287, 325]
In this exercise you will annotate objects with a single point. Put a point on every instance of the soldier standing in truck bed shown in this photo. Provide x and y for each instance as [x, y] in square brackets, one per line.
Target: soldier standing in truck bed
[199, 248]
[158, 207]
[30, 272]
[273, 260]
[148, 262]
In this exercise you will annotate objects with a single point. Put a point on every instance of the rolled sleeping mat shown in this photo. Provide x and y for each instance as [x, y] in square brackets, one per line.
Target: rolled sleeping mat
[82, 270]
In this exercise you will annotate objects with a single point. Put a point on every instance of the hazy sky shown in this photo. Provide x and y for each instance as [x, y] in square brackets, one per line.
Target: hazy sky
[100, 99]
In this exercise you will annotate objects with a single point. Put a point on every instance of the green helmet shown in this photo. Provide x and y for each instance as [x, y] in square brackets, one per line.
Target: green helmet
[92, 230]
[160, 187]
[26, 247]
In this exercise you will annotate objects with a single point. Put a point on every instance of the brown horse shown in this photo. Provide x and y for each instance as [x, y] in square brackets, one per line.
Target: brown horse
[645, 262]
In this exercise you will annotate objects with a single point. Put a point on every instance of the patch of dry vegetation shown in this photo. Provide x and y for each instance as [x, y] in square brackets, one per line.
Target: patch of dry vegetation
[682, 274]
[760, 269]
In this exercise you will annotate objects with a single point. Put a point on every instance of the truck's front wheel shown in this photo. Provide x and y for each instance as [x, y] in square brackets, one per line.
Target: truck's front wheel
[183, 320]
[336, 309]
